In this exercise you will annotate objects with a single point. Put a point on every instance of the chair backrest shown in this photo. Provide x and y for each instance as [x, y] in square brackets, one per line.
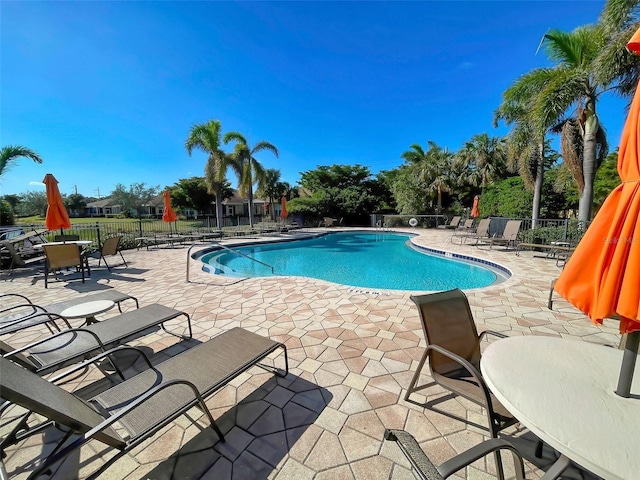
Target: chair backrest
[511, 229]
[62, 256]
[483, 228]
[447, 321]
[328, 221]
[455, 221]
[8, 246]
[65, 238]
[110, 246]
[468, 223]
[36, 394]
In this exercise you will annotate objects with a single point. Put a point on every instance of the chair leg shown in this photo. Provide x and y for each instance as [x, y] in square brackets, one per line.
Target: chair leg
[416, 375]
[46, 274]
[125, 262]
[550, 302]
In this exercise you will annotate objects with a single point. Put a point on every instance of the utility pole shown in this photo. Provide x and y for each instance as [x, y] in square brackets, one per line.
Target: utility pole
[98, 190]
[76, 187]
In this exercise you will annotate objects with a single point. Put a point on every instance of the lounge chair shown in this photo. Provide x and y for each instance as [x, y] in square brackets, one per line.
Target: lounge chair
[64, 256]
[328, 222]
[71, 345]
[24, 258]
[509, 236]
[467, 226]
[19, 312]
[481, 233]
[428, 471]
[110, 247]
[455, 221]
[453, 350]
[143, 404]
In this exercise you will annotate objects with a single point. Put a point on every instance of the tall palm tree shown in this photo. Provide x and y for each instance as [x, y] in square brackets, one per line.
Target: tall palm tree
[10, 155]
[569, 99]
[525, 143]
[206, 137]
[246, 166]
[485, 158]
[433, 167]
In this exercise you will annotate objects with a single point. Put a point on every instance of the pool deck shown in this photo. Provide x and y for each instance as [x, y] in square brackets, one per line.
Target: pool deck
[352, 353]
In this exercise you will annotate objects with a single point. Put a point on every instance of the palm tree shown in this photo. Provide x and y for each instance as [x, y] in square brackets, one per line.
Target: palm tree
[206, 137]
[273, 189]
[433, 167]
[485, 158]
[525, 144]
[247, 167]
[11, 153]
[569, 98]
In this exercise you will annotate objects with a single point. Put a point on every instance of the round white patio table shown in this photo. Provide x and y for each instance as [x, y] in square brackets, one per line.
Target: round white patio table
[88, 310]
[563, 391]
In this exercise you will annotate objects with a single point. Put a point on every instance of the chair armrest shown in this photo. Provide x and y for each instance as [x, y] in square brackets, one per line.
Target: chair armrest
[101, 356]
[23, 305]
[475, 373]
[491, 332]
[99, 343]
[50, 315]
[15, 295]
[478, 451]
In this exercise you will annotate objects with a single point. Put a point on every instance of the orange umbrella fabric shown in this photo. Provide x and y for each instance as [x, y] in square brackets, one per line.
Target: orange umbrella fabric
[57, 216]
[602, 277]
[169, 215]
[284, 213]
[475, 213]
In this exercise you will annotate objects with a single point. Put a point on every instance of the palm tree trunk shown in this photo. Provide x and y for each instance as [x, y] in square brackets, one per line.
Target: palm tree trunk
[251, 205]
[439, 200]
[537, 190]
[588, 163]
[218, 189]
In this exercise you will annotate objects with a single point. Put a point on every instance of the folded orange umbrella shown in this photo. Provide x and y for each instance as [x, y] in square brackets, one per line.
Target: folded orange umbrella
[57, 216]
[475, 213]
[284, 213]
[169, 215]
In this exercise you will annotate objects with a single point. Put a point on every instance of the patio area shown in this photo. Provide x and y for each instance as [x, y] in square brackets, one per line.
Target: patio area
[352, 353]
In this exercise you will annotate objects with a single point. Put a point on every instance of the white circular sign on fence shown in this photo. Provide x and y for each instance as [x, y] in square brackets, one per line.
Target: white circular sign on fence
[413, 222]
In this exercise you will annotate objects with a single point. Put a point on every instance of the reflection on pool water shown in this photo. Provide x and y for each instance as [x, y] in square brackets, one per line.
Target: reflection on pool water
[359, 259]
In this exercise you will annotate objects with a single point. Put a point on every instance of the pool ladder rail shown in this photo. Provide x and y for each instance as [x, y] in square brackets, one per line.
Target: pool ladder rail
[228, 249]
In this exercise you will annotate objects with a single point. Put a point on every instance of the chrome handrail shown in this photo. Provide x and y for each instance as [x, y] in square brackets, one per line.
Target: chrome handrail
[232, 251]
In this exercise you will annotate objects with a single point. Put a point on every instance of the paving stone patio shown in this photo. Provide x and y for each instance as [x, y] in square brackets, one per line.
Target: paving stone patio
[352, 353]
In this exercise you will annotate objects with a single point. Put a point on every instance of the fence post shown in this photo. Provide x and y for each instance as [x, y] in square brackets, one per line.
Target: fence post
[140, 226]
[98, 231]
[566, 229]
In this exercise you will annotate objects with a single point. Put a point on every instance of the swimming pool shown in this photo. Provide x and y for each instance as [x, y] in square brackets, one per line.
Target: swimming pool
[359, 259]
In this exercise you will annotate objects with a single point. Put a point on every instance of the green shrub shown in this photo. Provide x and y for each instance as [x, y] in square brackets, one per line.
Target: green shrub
[6, 213]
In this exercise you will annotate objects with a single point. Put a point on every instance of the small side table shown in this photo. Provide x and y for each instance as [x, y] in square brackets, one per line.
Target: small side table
[88, 310]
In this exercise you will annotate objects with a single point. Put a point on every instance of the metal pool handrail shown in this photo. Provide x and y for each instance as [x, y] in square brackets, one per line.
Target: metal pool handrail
[229, 249]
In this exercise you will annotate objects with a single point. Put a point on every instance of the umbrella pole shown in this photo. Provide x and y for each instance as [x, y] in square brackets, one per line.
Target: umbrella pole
[628, 364]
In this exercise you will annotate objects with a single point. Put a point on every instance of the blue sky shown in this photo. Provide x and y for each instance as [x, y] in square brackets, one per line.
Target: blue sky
[106, 92]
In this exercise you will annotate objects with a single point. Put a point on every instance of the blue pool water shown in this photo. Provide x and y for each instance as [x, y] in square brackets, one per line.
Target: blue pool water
[359, 259]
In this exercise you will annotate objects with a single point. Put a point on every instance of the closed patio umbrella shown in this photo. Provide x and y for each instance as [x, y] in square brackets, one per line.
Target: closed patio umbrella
[169, 215]
[475, 213]
[602, 277]
[57, 216]
[283, 212]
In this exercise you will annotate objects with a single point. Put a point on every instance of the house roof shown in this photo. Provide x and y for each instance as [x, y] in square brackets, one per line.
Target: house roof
[104, 202]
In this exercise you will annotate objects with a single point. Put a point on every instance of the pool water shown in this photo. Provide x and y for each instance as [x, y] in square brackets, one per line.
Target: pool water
[359, 259]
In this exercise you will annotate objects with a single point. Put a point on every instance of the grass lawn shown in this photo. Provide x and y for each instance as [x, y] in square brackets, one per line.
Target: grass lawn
[37, 220]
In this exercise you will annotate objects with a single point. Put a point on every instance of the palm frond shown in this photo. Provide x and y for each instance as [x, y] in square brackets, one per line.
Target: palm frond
[11, 153]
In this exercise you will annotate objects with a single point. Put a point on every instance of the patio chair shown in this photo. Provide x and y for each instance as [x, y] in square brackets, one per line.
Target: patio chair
[110, 247]
[467, 226]
[64, 256]
[328, 222]
[481, 233]
[142, 405]
[24, 258]
[509, 236]
[428, 471]
[453, 350]
[72, 345]
[455, 221]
